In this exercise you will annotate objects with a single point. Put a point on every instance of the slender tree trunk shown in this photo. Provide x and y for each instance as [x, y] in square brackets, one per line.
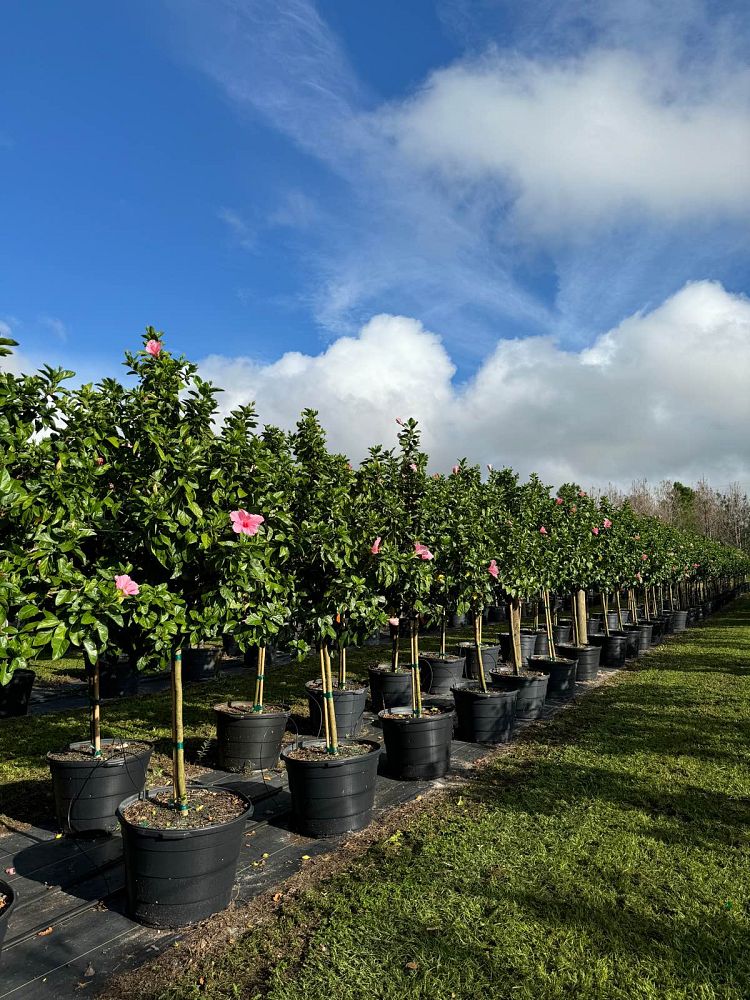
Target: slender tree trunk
[179, 784]
[514, 625]
[583, 633]
[619, 610]
[605, 609]
[342, 667]
[260, 677]
[96, 729]
[394, 647]
[332, 739]
[416, 688]
[548, 624]
[442, 634]
[478, 648]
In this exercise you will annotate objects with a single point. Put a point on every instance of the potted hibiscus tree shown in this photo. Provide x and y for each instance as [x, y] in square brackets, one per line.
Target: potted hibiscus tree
[181, 843]
[331, 780]
[417, 736]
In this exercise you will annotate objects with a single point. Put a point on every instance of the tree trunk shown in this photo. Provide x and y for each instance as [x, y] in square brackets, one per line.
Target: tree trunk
[583, 632]
[179, 784]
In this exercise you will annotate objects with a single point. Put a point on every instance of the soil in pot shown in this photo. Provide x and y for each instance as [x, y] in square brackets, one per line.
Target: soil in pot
[418, 747]
[180, 869]
[561, 673]
[531, 688]
[88, 789]
[484, 716]
[439, 672]
[249, 740]
[348, 704]
[388, 688]
[15, 695]
[199, 663]
[490, 657]
[332, 794]
[7, 902]
[587, 658]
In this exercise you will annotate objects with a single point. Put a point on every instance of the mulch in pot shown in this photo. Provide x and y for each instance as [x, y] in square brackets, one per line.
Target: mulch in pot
[208, 807]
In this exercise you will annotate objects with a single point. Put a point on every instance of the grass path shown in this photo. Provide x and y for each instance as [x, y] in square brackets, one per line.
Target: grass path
[607, 856]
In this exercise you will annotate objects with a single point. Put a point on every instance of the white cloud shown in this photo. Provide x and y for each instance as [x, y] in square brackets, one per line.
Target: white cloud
[575, 142]
[662, 395]
[239, 229]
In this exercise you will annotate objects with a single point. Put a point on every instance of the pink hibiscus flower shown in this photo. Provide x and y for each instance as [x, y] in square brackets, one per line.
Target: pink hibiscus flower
[492, 569]
[607, 523]
[126, 586]
[558, 501]
[244, 523]
[153, 347]
[422, 551]
[542, 530]
[395, 622]
[375, 547]
[595, 531]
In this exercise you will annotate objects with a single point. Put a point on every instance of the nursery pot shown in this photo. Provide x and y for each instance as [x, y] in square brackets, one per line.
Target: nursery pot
[333, 794]
[614, 648]
[88, 792]
[495, 614]
[456, 621]
[531, 689]
[490, 656]
[562, 634]
[198, 664]
[250, 740]
[118, 675]
[348, 706]
[657, 631]
[679, 621]
[587, 658]
[439, 673]
[644, 637]
[417, 748]
[389, 689]
[633, 633]
[178, 877]
[561, 673]
[541, 645]
[484, 717]
[528, 645]
[14, 696]
[10, 902]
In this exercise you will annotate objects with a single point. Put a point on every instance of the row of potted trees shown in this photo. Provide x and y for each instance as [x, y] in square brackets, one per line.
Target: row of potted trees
[135, 532]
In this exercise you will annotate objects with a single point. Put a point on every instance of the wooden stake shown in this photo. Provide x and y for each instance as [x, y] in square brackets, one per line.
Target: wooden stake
[178, 778]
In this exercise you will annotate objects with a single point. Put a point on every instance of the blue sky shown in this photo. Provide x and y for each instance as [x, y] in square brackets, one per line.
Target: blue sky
[258, 177]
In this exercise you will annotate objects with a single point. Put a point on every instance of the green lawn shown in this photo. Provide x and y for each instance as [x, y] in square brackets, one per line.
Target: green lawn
[607, 857]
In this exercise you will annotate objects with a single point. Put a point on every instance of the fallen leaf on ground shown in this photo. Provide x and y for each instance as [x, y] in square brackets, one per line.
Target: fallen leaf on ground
[10, 871]
[45, 932]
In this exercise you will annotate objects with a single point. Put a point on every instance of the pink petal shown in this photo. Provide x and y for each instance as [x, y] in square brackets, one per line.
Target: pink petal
[153, 347]
[395, 622]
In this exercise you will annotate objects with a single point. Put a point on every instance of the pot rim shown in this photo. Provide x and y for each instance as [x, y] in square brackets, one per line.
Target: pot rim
[406, 719]
[331, 761]
[317, 685]
[98, 761]
[221, 706]
[169, 834]
[385, 668]
[478, 693]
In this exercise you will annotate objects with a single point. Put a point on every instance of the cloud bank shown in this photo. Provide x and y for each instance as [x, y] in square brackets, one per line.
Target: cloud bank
[663, 394]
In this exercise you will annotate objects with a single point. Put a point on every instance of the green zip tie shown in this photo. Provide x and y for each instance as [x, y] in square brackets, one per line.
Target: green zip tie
[179, 746]
[261, 677]
[328, 694]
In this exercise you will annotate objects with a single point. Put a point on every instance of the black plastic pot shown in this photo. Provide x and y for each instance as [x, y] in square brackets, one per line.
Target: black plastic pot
[666, 617]
[178, 877]
[118, 676]
[88, 792]
[528, 644]
[586, 657]
[484, 717]
[644, 637]
[438, 674]
[456, 621]
[389, 689]
[15, 695]
[562, 633]
[561, 673]
[614, 648]
[531, 688]
[541, 645]
[5, 890]
[251, 740]
[490, 656]
[348, 706]
[679, 621]
[198, 664]
[657, 631]
[633, 633]
[334, 794]
[417, 748]
[495, 614]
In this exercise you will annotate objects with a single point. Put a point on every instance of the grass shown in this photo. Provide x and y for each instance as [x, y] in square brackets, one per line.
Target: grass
[25, 789]
[606, 857]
